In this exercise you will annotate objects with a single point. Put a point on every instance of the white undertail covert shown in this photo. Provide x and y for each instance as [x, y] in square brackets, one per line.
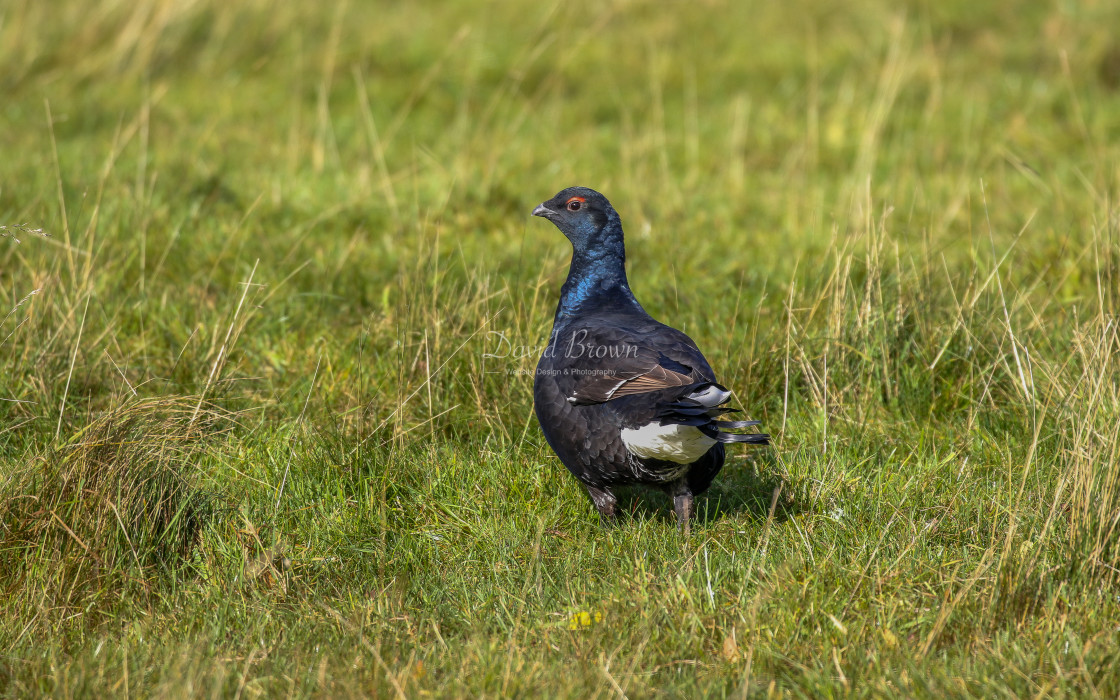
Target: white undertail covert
[682, 444]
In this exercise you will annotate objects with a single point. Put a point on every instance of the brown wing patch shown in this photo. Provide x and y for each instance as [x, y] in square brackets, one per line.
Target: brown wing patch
[599, 389]
[656, 379]
[606, 387]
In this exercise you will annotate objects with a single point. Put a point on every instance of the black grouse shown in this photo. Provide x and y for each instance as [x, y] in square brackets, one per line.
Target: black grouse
[621, 398]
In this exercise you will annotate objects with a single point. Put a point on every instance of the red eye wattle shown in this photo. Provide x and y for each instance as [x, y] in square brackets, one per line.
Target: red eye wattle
[575, 204]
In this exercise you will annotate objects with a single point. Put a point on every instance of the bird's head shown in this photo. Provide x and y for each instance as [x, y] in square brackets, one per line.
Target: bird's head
[584, 216]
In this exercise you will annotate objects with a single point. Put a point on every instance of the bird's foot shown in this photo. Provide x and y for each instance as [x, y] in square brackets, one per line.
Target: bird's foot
[683, 506]
[607, 505]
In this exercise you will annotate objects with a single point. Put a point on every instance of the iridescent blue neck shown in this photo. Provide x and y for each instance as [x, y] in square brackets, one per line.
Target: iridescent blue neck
[596, 278]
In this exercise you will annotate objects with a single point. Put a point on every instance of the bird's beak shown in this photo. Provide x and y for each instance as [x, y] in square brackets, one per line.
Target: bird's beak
[544, 211]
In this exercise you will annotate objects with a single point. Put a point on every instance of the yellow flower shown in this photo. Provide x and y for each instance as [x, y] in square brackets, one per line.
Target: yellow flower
[584, 619]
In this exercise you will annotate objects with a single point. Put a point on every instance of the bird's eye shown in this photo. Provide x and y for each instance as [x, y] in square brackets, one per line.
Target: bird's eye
[574, 204]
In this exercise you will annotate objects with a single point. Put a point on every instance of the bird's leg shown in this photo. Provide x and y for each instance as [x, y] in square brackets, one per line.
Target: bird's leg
[682, 504]
[606, 503]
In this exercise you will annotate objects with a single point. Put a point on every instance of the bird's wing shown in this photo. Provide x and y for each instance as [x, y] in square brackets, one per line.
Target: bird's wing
[602, 362]
[633, 378]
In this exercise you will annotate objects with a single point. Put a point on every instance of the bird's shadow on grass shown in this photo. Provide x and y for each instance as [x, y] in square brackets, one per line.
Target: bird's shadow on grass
[753, 487]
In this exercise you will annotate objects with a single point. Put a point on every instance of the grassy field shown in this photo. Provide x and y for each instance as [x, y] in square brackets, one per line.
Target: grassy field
[251, 443]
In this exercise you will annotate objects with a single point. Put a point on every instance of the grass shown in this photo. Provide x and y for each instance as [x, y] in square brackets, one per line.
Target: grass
[251, 443]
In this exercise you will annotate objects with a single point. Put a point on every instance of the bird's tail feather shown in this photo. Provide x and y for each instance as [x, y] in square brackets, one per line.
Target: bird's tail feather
[699, 407]
[735, 424]
[750, 439]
